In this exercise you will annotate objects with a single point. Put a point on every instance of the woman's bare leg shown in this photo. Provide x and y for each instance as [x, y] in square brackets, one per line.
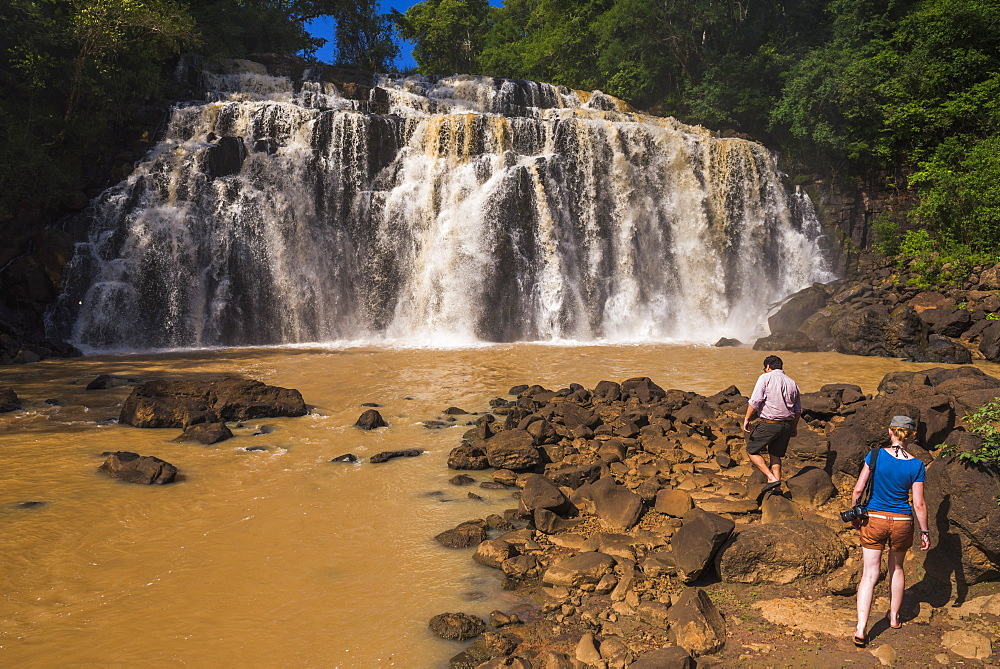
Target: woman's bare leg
[866, 588]
[896, 584]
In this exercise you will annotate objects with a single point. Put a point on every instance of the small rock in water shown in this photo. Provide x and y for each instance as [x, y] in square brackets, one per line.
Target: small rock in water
[262, 430]
[725, 341]
[457, 626]
[436, 424]
[256, 449]
[389, 455]
[455, 411]
[206, 433]
[461, 479]
[30, 505]
[107, 421]
[346, 457]
[371, 404]
[517, 390]
[492, 485]
[53, 402]
[371, 420]
[473, 495]
[135, 468]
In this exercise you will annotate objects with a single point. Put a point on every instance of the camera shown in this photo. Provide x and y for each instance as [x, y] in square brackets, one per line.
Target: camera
[854, 513]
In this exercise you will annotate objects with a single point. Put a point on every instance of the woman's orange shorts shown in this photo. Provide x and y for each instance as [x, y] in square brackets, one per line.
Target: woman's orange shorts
[878, 531]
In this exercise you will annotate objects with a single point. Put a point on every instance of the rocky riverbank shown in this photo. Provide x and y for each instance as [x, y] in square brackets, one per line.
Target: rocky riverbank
[641, 536]
[881, 311]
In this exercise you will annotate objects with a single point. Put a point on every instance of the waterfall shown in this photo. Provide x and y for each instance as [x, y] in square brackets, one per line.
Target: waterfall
[438, 211]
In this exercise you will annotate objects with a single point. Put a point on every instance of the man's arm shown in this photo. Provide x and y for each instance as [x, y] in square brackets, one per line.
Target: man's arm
[746, 420]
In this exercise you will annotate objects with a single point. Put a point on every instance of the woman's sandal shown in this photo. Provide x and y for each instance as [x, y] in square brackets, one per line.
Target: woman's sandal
[899, 623]
[860, 641]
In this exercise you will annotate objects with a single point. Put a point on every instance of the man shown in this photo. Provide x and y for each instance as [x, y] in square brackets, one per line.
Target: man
[776, 399]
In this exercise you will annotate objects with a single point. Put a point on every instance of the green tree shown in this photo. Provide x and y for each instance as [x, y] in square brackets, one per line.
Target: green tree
[448, 34]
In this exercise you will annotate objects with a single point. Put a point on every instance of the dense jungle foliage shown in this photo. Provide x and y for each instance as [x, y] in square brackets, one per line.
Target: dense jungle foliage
[77, 74]
[909, 88]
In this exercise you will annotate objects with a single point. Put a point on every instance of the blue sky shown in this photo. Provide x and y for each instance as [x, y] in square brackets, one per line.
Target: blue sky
[324, 28]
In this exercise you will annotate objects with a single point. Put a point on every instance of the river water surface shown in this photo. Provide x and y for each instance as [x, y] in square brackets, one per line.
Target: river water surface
[280, 557]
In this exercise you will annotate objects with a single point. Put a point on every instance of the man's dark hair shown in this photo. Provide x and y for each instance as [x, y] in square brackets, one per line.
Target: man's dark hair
[773, 361]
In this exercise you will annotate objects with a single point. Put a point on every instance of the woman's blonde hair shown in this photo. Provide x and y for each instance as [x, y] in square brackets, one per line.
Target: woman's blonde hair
[903, 435]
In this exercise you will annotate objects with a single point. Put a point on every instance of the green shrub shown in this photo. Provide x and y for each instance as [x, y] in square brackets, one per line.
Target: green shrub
[985, 422]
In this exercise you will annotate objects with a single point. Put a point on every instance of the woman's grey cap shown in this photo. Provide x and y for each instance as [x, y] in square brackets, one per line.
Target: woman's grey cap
[903, 421]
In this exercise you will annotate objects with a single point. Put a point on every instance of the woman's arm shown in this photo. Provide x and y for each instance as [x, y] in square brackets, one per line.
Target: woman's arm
[920, 507]
[859, 487]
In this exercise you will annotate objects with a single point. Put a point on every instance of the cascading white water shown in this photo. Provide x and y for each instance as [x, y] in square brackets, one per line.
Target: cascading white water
[468, 210]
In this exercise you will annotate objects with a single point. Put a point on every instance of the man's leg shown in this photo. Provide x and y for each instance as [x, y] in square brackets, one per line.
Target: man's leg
[776, 467]
[759, 463]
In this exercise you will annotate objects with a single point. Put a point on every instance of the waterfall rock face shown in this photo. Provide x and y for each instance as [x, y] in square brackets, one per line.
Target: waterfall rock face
[467, 209]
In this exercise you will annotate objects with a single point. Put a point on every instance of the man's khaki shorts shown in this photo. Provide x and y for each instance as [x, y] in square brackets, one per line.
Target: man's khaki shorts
[880, 532]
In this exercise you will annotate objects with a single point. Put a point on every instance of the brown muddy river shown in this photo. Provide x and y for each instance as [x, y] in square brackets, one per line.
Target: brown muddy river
[280, 557]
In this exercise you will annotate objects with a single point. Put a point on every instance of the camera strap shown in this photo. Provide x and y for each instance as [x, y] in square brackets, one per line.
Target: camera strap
[870, 483]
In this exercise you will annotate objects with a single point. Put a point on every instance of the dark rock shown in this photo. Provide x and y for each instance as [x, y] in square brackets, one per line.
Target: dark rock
[455, 411]
[696, 623]
[728, 342]
[135, 468]
[165, 403]
[499, 619]
[52, 402]
[465, 535]
[226, 157]
[811, 486]
[643, 389]
[541, 493]
[607, 390]
[457, 626]
[989, 346]
[9, 400]
[964, 521]
[780, 552]
[106, 382]
[461, 479]
[349, 458]
[695, 543]
[468, 457]
[878, 331]
[370, 420]
[374, 405]
[845, 393]
[512, 449]
[259, 449]
[494, 552]
[385, 456]
[517, 390]
[206, 433]
[819, 405]
[572, 476]
[491, 645]
[522, 567]
[796, 309]
[791, 340]
[670, 657]
[946, 322]
[776, 507]
[615, 504]
[30, 505]
[942, 349]
[574, 571]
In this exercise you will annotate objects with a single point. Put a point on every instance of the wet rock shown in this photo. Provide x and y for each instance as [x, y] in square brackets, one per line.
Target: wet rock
[942, 349]
[9, 400]
[522, 567]
[370, 420]
[33, 504]
[580, 569]
[457, 626]
[499, 619]
[671, 657]
[225, 157]
[989, 345]
[346, 457]
[780, 552]
[135, 468]
[794, 340]
[797, 308]
[465, 535]
[385, 456]
[461, 479]
[696, 623]
[106, 382]
[725, 341]
[492, 645]
[696, 542]
[878, 331]
[206, 433]
[494, 552]
[468, 457]
[948, 322]
[455, 411]
[811, 486]
[164, 403]
[512, 449]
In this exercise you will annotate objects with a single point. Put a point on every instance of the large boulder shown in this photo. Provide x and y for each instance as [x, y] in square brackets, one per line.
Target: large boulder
[540, 493]
[164, 403]
[943, 349]
[964, 521]
[697, 626]
[790, 340]
[465, 535]
[780, 552]
[512, 449]
[695, 543]
[811, 486]
[989, 345]
[643, 389]
[206, 433]
[615, 504]
[135, 468]
[876, 330]
[946, 322]
[468, 457]
[797, 308]
[370, 420]
[574, 571]
[8, 400]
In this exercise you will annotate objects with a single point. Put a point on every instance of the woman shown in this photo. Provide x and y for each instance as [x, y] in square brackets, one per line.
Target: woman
[889, 521]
